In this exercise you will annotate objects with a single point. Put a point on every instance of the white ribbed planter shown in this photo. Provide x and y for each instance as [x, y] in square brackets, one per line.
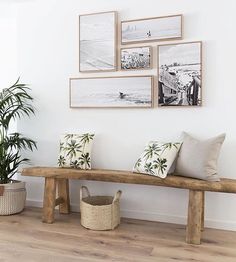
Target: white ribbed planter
[13, 199]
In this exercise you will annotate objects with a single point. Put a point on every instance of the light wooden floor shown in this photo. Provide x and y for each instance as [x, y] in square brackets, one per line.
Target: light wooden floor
[24, 238]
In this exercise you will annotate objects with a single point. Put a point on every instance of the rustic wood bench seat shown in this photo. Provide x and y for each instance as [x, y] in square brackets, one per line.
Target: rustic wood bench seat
[57, 180]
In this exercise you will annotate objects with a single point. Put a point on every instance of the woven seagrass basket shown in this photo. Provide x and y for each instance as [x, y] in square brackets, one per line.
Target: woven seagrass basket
[99, 212]
[12, 198]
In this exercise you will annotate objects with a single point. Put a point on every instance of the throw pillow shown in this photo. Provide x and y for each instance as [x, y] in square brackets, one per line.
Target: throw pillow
[75, 150]
[198, 159]
[157, 158]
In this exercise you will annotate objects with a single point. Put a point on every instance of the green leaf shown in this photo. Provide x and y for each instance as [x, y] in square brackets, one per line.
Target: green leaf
[15, 103]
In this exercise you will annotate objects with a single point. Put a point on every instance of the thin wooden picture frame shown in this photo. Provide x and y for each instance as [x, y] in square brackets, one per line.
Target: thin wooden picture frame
[131, 67]
[188, 89]
[142, 32]
[103, 47]
[116, 94]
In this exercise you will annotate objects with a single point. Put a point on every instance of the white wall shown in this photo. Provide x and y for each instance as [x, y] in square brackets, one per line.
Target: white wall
[8, 48]
[8, 45]
[48, 55]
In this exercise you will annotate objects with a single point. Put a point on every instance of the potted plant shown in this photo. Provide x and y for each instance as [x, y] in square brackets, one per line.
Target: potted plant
[15, 102]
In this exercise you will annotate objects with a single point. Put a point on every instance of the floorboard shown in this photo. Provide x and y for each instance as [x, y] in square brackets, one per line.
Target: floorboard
[24, 238]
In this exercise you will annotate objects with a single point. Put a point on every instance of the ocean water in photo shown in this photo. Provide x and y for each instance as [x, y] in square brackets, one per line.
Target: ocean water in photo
[112, 92]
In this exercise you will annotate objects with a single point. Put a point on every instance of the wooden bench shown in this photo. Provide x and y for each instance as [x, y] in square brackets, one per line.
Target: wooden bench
[57, 180]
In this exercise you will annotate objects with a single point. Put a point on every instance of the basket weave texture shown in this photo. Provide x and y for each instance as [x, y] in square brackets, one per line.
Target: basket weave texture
[99, 212]
[13, 199]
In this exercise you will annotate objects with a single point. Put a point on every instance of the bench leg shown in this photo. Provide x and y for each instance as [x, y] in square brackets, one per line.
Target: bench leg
[49, 200]
[195, 207]
[63, 192]
[203, 211]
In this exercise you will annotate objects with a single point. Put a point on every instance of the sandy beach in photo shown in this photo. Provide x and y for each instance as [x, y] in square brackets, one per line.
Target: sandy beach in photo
[151, 29]
[97, 42]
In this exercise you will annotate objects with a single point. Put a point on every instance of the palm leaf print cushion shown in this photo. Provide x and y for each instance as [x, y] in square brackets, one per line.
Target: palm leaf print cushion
[157, 158]
[75, 150]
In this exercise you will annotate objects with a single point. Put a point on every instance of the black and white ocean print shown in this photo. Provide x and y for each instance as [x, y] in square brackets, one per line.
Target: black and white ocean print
[111, 92]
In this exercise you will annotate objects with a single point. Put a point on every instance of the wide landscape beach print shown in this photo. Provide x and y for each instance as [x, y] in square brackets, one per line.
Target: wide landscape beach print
[133, 91]
[152, 29]
[98, 42]
[179, 81]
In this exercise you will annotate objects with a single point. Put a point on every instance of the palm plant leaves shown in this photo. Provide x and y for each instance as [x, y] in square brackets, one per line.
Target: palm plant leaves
[15, 102]
[17, 141]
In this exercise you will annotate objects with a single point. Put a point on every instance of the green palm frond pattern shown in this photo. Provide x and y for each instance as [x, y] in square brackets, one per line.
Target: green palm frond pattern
[138, 164]
[61, 161]
[75, 151]
[151, 150]
[157, 158]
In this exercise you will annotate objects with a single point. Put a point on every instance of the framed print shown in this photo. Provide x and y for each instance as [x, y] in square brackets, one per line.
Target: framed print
[98, 42]
[136, 58]
[124, 91]
[151, 29]
[180, 74]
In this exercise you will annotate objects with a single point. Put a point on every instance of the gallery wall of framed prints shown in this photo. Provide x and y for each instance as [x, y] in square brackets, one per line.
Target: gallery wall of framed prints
[178, 64]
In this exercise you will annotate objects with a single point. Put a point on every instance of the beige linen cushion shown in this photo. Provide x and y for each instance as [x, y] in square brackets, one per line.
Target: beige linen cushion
[198, 159]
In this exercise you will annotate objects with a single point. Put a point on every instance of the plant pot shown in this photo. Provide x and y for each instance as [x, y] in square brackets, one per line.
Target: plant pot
[12, 197]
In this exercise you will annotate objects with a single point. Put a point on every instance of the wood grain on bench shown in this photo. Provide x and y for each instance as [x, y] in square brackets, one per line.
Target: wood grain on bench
[225, 185]
[57, 178]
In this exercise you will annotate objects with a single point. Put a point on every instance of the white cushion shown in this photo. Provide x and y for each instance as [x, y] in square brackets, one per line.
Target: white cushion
[75, 150]
[198, 159]
[157, 158]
